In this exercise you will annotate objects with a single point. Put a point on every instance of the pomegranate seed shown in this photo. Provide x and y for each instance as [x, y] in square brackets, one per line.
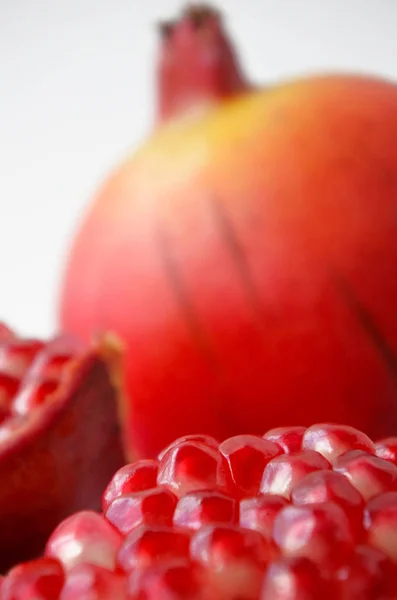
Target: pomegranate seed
[333, 440]
[387, 449]
[49, 366]
[259, 513]
[207, 440]
[324, 486]
[234, 558]
[380, 520]
[33, 395]
[10, 427]
[192, 466]
[40, 579]
[199, 508]
[6, 334]
[368, 574]
[295, 579]
[17, 355]
[136, 477]
[369, 474]
[151, 507]
[148, 545]
[247, 456]
[282, 473]
[9, 386]
[85, 537]
[288, 438]
[320, 532]
[90, 582]
[176, 580]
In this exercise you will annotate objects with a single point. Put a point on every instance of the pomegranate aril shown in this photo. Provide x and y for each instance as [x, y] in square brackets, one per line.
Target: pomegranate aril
[324, 486]
[175, 580]
[85, 537]
[380, 521]
[136, 477]
[148, 545]
[151, 507]
[33, 395]
[234, 557]
[282, 473]
[49, 366]
[320, 532]
[295, 579]
[196, 509]
[207, 440]
[247, 456]
[192, 466]
[9, 385]
[369, 474]
[387, 449]
[16, 355]
[333, 440]
[6, 334]
[259, 513]
[91, 582]
[10, 427]
[288, 438]
[368, 575]
[40, 579]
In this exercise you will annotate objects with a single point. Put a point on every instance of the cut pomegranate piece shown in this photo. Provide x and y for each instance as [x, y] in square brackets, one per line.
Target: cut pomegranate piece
[91, 582]
[295, 579]
[380, 520]
[247, 456]
[320, 532]
[369, 474]
[137, 477]
[148, 545]
[190, 466]
[196, 509]
[40, 579]
[283, 472]
[85, 537]
[259, 513]
[333, 440]
[151, 507]
[288, 438]
[387, 449]
[57, 458]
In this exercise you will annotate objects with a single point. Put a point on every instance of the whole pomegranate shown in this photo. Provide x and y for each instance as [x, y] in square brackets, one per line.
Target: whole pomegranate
[295, 514]
[247, 253]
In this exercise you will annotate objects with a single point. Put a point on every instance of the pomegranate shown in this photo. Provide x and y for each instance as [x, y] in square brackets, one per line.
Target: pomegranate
[246, 254]
[59, 441]
[183, 527]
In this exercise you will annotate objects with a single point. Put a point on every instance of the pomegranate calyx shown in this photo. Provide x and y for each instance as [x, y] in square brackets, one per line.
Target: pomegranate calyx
[198, 66]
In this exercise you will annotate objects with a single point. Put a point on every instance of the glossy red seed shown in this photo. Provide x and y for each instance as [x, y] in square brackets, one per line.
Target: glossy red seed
[33, 395]
[40, 579]
[17, 355]
[9, 386]
[192, 466]
[283, 472]
[90, 582]
[380, 521]
[207, 440]
[295, 579]
[324, 486]
[368, 575]
[288, 438]
[151, 507]
[332, 440]
[319, 532]
[136, 477]
[387, 449]
[147, 545]
[85, 537]
[247, 456]
[369, 474]
[199, 508]
[49, 366]
[176, 580]
[259, 512]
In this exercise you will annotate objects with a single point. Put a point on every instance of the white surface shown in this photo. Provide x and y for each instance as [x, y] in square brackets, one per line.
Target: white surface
[76, 93]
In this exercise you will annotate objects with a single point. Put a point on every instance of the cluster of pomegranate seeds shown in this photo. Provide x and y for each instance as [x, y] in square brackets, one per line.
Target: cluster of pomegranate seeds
[30, 372]
[299, 514]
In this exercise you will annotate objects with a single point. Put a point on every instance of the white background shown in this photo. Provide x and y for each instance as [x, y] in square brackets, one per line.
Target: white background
[76, 92]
